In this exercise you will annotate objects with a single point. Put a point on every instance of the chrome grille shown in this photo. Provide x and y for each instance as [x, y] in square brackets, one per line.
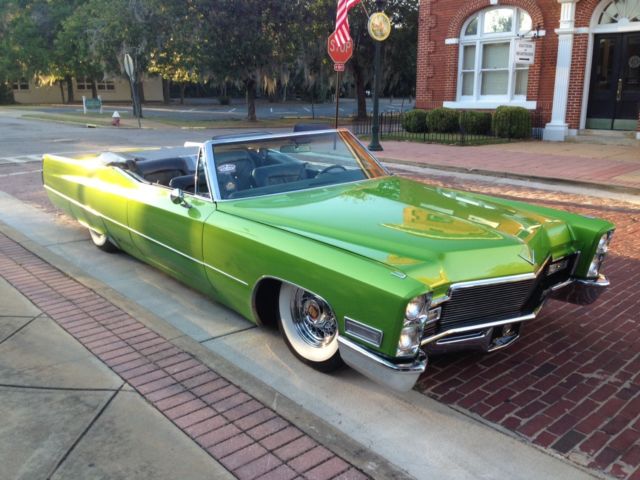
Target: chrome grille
[491, 301]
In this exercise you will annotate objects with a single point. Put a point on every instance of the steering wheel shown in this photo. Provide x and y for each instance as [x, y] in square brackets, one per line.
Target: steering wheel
[331, 167]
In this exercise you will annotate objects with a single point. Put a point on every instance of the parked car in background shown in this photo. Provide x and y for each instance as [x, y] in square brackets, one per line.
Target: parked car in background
[309, 232]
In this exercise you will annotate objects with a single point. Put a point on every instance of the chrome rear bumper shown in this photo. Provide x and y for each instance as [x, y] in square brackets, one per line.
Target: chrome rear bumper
[401, 377]
[580, 292]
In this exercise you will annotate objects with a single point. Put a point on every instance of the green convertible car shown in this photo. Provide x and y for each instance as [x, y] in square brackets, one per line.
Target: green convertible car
[309, 232]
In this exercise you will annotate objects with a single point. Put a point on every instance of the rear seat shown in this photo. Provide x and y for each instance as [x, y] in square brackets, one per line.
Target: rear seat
[162, 170]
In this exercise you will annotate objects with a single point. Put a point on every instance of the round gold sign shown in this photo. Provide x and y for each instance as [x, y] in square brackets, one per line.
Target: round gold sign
[379, 26]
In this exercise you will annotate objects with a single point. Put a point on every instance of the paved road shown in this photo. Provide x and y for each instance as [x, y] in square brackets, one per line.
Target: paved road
[512, 390]
[238, 110]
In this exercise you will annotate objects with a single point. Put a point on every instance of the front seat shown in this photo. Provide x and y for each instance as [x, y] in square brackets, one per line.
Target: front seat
[184, 182]
[277, 174]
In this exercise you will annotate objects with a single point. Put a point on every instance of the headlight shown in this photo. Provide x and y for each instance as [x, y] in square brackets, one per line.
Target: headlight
[601, 252]
[415, 307]
[409, 338]
[413, 324]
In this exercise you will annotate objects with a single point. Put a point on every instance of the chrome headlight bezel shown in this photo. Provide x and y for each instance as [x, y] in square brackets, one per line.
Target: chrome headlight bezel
[602, 248]
[413, 325]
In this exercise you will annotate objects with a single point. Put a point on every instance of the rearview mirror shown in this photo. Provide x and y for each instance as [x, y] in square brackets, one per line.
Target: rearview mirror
[293, 148]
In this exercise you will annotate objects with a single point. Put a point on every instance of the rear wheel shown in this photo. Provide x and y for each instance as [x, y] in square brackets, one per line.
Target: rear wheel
[309, 328]
[102, 241]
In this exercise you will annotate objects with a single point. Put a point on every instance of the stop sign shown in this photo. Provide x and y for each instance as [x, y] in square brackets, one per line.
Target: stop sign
[338, 54]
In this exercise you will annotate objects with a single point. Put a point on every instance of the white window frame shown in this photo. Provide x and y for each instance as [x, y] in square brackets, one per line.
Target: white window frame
[477, 100]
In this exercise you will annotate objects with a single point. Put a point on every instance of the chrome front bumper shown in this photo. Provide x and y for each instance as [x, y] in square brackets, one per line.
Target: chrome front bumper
[580, 292]
[401, 377]
[483, 336]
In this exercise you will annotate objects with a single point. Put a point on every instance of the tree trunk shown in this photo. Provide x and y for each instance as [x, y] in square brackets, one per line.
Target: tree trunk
[61, 90]
[94, 88]
[183, 85]
[166, 93]
[250, 84]
[141, 92]
[140, 95]
[70, 95]
[358, 75]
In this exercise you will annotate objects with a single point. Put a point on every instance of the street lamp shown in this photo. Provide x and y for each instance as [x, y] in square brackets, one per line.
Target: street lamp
[379, 29]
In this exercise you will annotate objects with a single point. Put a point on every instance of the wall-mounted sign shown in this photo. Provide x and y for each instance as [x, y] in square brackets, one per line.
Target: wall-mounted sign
[379, 26]
[525, 52]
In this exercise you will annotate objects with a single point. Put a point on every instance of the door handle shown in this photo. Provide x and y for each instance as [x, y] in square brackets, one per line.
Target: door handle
[619, 90]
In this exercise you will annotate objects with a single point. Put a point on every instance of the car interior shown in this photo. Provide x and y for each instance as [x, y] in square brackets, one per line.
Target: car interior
[241, 171]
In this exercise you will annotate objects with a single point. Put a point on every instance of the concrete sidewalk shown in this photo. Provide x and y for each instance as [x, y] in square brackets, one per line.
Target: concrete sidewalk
[87, 391]
[606, 166]
[66, 415]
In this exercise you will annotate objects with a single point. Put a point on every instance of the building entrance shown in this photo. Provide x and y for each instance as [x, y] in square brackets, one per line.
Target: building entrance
[614, 94]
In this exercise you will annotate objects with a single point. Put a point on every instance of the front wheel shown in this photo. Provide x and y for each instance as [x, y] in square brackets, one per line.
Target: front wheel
[309, 328]
[101, 241]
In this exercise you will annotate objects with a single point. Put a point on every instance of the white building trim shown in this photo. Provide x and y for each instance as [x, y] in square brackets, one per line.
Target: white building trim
[558, 129]
[487, 105]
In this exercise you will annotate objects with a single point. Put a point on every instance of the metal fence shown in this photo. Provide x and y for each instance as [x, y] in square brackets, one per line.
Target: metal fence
[391, 127]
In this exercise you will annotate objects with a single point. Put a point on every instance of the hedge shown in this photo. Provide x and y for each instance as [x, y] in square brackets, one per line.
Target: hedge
[415, 121]
[512, 122]
[475, 123]
[443, 120]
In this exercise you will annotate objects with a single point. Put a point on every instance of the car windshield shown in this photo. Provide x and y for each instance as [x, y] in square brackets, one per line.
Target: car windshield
[289, 163]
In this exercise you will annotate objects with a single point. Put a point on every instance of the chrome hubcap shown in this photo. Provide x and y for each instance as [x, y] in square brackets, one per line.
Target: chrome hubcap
[313, 319]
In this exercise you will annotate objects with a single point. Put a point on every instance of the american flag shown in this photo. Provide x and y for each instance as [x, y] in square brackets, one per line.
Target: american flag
[342, 22]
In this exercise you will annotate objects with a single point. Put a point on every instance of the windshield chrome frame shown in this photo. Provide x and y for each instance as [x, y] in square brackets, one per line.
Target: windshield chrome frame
[209, 145]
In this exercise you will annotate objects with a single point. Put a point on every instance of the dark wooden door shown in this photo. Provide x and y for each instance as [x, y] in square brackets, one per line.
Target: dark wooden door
[614, 93]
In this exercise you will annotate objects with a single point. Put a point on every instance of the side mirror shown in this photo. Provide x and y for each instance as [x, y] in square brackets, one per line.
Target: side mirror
[177, 197]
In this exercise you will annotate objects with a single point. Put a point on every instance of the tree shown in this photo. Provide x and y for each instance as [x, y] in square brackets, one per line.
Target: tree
[249, 43]
[178, 56]
[399, 50]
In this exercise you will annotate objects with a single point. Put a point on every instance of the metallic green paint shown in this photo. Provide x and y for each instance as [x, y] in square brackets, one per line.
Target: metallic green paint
[341, 242]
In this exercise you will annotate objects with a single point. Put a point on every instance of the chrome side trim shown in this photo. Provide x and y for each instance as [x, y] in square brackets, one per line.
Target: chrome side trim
[401, 377]
[366, 327]
[126, 227]
[479, 326]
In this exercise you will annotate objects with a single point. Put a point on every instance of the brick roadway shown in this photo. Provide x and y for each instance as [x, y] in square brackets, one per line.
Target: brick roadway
[248, 438]
[571, 384]
[608, 164]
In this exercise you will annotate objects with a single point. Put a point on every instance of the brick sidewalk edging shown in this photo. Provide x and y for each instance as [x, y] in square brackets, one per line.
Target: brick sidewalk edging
[248, 438]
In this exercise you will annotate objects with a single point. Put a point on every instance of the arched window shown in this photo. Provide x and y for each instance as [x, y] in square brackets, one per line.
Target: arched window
[487, 70]
[621, 12]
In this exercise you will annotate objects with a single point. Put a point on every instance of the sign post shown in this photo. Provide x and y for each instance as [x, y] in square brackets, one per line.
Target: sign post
[379, 27]
[129, 68]
[340, 55]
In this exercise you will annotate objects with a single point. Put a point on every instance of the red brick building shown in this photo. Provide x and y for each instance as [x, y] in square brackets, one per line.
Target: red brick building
[585, 72]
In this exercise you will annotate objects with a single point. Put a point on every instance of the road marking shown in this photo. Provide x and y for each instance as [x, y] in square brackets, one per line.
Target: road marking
[271, 109]
[20, 159]
[232, 110]
[307, 109]
[19, 173]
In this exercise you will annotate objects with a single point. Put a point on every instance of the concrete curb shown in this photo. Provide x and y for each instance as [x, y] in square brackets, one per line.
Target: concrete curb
[325, 434]
[516, 176]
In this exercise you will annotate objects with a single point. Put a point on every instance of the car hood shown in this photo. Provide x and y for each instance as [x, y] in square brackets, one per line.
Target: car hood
[435, 235]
